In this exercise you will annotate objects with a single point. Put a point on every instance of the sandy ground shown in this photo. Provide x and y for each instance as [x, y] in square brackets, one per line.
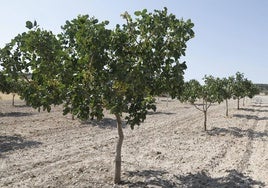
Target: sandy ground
[170, 149]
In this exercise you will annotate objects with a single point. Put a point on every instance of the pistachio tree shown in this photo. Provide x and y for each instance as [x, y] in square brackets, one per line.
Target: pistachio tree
[207, 94]
[89, 68]
[227, 91]
[33, 60]
[153, 47]
[250, 89]
[243, 88]
[121, 69]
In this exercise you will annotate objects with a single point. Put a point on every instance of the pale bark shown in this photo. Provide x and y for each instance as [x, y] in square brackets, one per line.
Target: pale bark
[118, 160]
[13, 99]
[227, 110]
[238, 100]
[205, 120]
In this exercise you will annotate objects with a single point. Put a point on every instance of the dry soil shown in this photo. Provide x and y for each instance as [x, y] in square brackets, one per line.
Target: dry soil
[170, 149]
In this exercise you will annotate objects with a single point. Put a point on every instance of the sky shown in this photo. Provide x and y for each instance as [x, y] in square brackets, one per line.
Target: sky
[230, 35]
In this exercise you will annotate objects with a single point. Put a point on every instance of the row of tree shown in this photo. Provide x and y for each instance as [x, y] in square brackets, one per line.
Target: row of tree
[263, 88]
[216, 90]
[89, 67]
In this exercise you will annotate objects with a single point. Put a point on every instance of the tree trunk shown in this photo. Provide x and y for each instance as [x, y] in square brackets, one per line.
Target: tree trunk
[13, 99]
[238, 99]
[205, 120]
[244, 101]
[227, 111]
[117, 177]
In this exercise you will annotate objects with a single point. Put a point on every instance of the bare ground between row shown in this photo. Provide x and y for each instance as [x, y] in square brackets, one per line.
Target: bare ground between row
[170, 149]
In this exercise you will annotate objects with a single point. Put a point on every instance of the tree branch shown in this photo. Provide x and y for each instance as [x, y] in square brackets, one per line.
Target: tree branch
[195, 105]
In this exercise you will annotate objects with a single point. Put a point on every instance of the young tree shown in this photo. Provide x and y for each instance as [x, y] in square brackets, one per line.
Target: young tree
[208, 93]
[33, 60]
[8, 85]
[227, 91]
[122, 69]
[90, 68]
[238, 89]
[243, 88]
[250, 89]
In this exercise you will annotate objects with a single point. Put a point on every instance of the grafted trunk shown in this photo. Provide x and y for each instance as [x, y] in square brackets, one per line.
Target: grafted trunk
[118, 160]
[238, 100]
[227, 110]
[205, 120]
[13, 99]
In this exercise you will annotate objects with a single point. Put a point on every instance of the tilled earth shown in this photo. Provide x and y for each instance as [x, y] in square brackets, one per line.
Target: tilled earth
[170, 149]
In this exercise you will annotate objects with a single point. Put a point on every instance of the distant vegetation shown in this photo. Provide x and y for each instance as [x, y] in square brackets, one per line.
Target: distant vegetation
[263, 88]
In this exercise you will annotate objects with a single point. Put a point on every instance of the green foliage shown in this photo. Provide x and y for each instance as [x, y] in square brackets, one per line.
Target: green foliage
[227, 86]
[250, 89]
[208, 93]
[8, 85]
[29, 24]
[89, 68]
[213, 89]
[4, 85]
[243, 88]
[85, 75]
[238, 87]
[158, 40]
[121, 69]
[33, 59]
[262, 87]
[192, 91]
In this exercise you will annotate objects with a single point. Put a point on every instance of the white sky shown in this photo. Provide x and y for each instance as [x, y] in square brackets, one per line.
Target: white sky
[231, 35]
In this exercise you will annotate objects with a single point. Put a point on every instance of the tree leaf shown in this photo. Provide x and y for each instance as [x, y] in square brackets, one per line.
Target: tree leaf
[137, 13]
[29, 24]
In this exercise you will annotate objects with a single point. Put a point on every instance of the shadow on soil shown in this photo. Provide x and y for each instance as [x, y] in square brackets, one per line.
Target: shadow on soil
[260, 105]
[105, 123]
[152, 178]
[250, 117]
[21, 106]
[234, 131]
[15, 114]
[158, 112]
[254, 110]
[201, 179]
[15, 142]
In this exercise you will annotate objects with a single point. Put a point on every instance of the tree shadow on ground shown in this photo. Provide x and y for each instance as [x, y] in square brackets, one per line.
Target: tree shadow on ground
[234, 179]
[237, 132]
[15, 142]
[21, 106]
[201, 179]
[159, 112]
[152, 178]
[254, 110]
[105, 123]
[248, 109]
[254, 117]
[15, 114]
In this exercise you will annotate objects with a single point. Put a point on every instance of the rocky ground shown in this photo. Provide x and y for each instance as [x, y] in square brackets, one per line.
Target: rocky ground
[170, 149]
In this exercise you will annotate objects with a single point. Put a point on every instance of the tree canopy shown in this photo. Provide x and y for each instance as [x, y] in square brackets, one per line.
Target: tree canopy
[207, 94]
[243, 87]
[89, 68]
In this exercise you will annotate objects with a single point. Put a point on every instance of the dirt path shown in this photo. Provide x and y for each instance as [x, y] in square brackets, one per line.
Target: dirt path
[170, 149]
